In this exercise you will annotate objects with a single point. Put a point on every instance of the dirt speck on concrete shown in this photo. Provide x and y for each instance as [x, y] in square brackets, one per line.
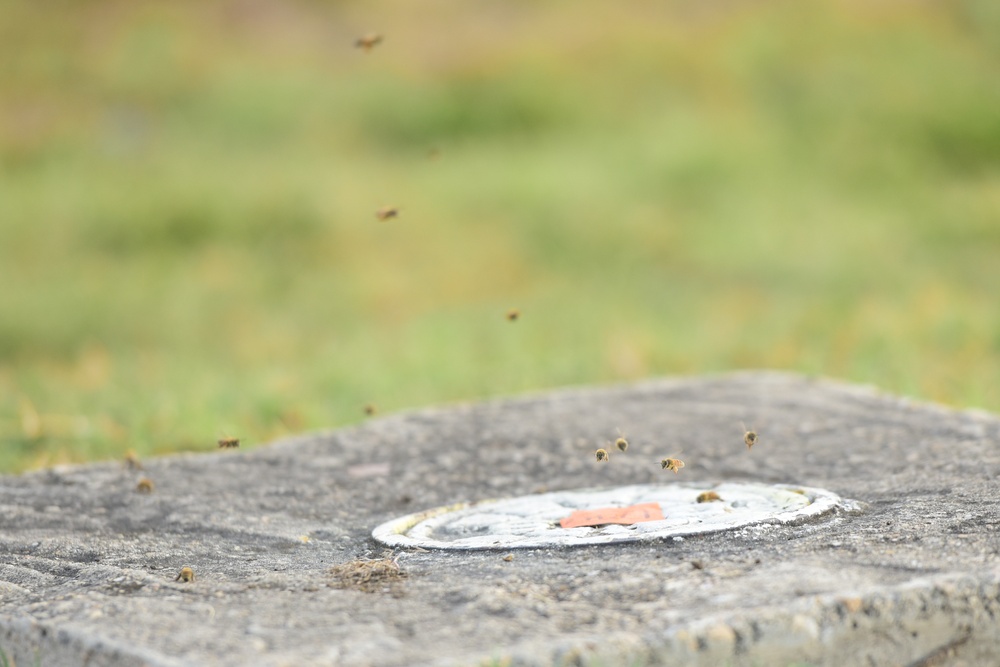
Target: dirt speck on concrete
[370, 576]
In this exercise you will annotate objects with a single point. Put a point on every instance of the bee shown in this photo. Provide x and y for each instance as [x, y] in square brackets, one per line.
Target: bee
[513, 314]
[621, 443]
[708, 497]
[852, 605]
[602, 455]
[145, 485]
[434, 154]
[228, 443]
[369, 409]
[672, 464]
[368, 42]
[132, 461]
[185, 576]
[749, 436]
[387, 212]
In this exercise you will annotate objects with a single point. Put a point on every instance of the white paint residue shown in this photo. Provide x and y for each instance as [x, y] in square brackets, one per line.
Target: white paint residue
[533, 521]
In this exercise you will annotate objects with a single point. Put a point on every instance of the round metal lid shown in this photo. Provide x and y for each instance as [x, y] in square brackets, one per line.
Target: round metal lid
[606, 516]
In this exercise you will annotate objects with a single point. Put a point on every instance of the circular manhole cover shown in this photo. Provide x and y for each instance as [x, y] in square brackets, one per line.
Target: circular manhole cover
[605, 516]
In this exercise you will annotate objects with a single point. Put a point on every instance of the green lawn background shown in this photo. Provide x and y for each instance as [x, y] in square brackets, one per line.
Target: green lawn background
[188, 245]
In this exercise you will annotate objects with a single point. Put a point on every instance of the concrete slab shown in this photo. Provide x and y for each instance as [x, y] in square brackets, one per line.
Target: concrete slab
[911, 576]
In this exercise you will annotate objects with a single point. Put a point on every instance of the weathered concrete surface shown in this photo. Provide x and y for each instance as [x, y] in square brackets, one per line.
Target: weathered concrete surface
[87, 565]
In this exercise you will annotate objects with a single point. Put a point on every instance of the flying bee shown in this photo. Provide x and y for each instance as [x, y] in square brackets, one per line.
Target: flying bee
[602, 455]
[368, 42]
[708, 497]
[369, 409]
[228, 443]
[513, 314]
[621, 443]
[672, 464]
[749, 436]
[132, 461]
[145, 485]
[185, 576]
[387, 212]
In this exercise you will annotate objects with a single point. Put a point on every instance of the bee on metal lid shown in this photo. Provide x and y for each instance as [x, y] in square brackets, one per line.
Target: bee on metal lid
[186, 575]
[145, 485]
[602, 455]
[369, 409]
[227, 442]
[368, 42]
[749, 436]
[387, 212]
[708, 497]
[513, 314]
[621, 443]
[672, 464]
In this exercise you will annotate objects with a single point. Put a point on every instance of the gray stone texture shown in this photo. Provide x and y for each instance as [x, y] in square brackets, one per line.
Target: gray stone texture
[912, 577]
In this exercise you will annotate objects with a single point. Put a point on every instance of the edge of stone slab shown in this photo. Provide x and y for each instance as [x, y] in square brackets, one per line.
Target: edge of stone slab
[775, 377]
[29, 642]
[919, 623]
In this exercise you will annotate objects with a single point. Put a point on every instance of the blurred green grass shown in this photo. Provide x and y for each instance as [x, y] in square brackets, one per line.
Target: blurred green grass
[188, 245]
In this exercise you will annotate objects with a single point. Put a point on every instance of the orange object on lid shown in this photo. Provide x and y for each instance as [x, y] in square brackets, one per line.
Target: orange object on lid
[623, 515]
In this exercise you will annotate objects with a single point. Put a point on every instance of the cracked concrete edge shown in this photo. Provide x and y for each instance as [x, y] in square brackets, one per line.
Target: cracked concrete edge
[920, 624]
[28, 643]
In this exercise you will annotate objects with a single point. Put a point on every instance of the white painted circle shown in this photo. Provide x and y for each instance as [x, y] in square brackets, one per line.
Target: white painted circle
[533, 521]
